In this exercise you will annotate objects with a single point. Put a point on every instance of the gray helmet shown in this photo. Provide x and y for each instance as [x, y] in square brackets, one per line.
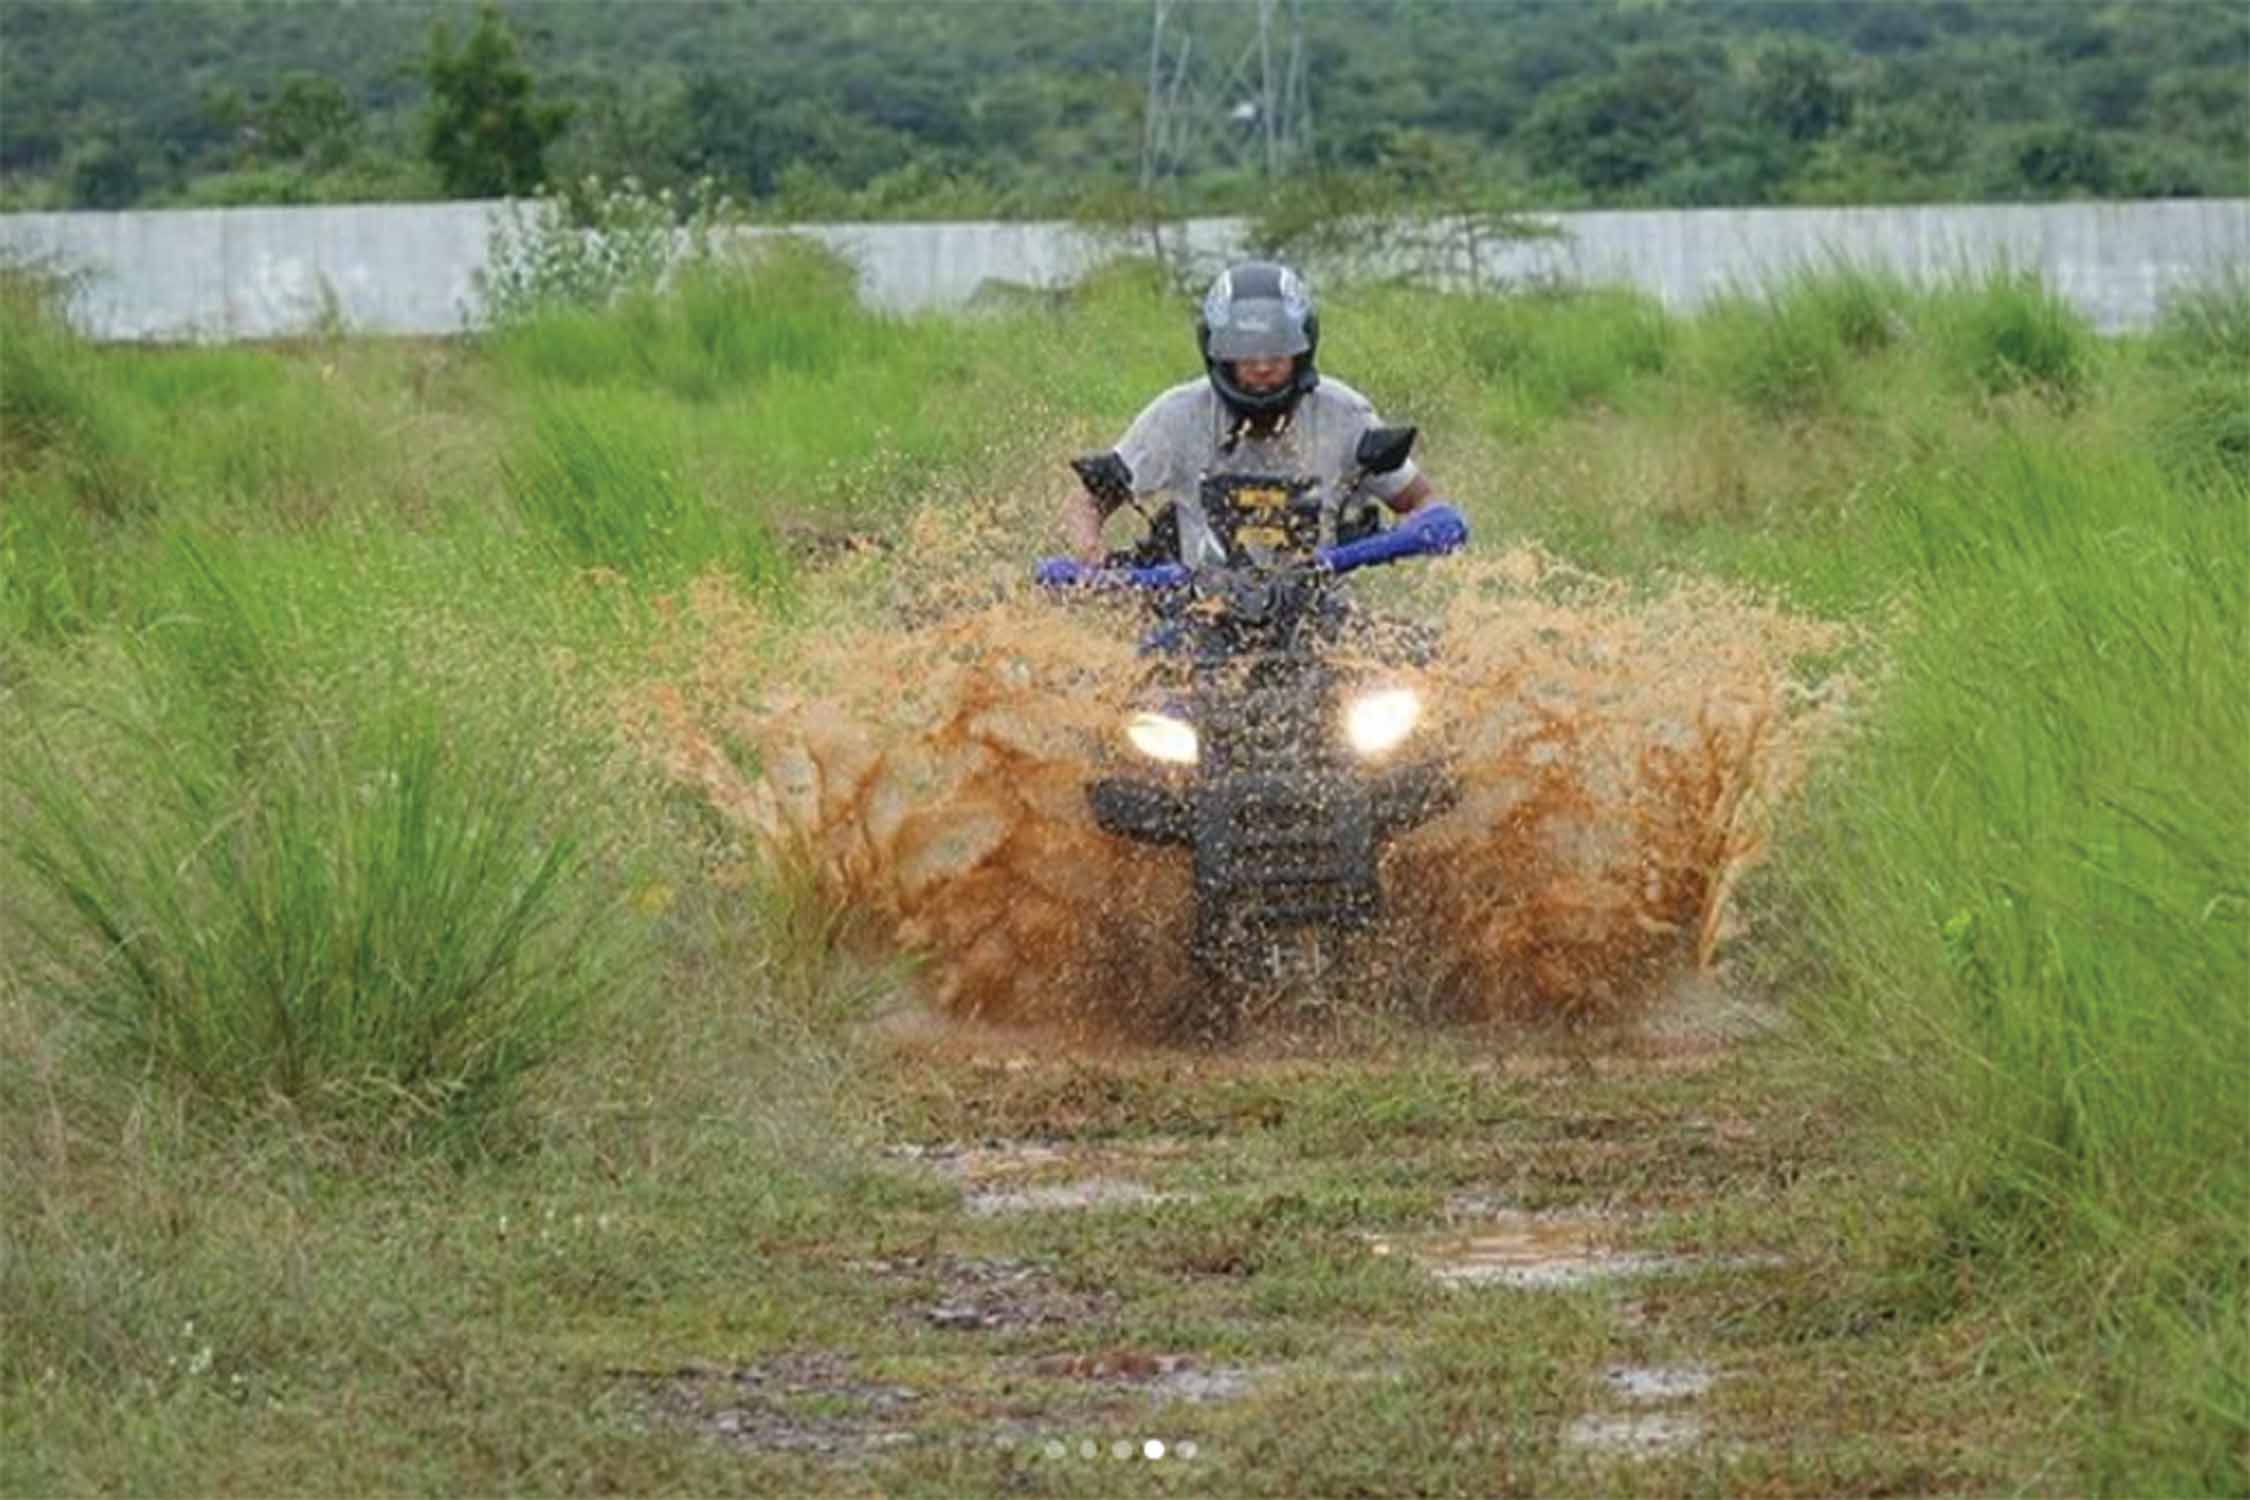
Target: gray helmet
[1259, 310]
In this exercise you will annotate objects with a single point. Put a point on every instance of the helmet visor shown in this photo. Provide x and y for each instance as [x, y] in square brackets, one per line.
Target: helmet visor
[1258, 328]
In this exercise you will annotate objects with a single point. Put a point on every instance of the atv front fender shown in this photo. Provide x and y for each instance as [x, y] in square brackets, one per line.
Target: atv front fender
[1141, 810]
[1409, 796]
[1398, 798]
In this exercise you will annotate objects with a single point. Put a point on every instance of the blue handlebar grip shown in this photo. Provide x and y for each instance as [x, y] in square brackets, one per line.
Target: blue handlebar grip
[1069, 572]
[1429, 530]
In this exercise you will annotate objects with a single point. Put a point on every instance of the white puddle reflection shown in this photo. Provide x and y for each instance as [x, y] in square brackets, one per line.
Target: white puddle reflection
[1502, 1263]
[1544, 1252]
[1651, 1383]
[1094, 1192]
[1637, 1435]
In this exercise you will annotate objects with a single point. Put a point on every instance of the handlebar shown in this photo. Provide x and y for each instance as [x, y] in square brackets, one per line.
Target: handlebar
[1069, 572]
[1429, 530]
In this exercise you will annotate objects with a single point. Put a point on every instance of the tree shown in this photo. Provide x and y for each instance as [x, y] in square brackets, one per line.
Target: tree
[311, 120]
[103, 174]
[1794, 92]
[483, 131]
[1616, 131]
[2060, 161]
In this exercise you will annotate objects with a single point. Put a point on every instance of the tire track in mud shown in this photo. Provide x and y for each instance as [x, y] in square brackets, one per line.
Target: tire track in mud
[1620, 755]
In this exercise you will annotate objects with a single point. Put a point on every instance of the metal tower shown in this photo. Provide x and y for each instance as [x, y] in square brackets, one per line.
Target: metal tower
[1253, 113]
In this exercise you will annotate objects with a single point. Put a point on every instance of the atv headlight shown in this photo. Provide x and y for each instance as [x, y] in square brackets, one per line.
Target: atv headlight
[1381, 720]
[1162, 737]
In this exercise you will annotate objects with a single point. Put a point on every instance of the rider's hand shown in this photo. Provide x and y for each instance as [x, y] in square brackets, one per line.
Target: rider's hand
[1060, 572]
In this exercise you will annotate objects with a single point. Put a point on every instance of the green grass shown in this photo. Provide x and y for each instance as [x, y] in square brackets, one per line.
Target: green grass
[374, 1018]
[2032, 892]
[600, 482]
[372, 924]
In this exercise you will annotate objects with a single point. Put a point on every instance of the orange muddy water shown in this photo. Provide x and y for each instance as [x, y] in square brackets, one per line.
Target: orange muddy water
[1621, 754]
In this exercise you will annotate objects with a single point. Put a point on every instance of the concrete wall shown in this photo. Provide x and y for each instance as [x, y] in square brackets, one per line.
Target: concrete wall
[411, 268]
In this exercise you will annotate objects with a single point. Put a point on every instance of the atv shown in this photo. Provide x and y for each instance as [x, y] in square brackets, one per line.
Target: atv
[1275, 741]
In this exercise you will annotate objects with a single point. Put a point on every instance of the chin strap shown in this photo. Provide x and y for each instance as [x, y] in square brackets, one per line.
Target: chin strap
[1239, 428]
[1431, 528]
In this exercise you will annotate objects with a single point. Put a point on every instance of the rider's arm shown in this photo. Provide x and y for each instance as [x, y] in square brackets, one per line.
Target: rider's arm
[1148, 452]
[1433, 528]
[1082, 526]
[1417, 490]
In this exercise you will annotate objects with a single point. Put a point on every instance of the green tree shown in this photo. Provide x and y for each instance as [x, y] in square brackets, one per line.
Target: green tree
[2063, 161]
[103, 174]
[311, 120]
[1795, 93]
[1616, 131]
[483, 131]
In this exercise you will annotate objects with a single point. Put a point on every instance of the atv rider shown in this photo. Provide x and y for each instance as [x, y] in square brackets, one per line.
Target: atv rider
[1263, 408]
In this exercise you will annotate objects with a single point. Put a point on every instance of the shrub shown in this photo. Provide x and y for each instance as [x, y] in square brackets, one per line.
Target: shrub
[1557, 352]
[2209, 324]
[791, 307]
[2007, 332]
[2030, 892]
[596, 242]
[606, 492]
[381, 922]
[1779, 357]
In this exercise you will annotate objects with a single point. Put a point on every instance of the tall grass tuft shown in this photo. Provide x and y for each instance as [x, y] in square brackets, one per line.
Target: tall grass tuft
[2034, 891]
[596, 479]
[2204, 336]
[57, 409]
[1867, 308]
[1553, 354]
[381, 923]
[1783, 357]
[2210, 324]
[2006, 331]
[1780, 346]
[790, 309]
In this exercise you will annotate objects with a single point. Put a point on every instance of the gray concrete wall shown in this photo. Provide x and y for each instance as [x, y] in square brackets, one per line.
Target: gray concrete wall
[411, 268]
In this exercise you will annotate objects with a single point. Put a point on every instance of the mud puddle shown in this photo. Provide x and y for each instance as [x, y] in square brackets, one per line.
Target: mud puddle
[1163, 1377]
[1653, 1383]
[798, 1403]
[1089, 1193]
[1635, 1434]
[986, 1293]
[1658, 1417]
[1540, 1252]
[980, 1161]
[1620, 753]
[1016, 1177]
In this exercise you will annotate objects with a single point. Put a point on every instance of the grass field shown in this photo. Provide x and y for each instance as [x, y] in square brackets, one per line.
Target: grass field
[410, 1080]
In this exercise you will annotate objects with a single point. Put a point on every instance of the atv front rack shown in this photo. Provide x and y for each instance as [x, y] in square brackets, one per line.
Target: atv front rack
[1280, 849]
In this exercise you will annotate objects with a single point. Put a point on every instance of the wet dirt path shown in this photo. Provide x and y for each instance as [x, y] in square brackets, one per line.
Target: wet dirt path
[1405, 1255]
[1467, 1261]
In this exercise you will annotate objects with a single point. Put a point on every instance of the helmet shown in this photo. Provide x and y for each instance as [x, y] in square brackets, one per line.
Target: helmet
[1258, 310]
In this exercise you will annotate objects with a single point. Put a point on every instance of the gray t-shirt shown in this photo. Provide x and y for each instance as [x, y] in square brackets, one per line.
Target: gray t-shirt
[1182, 435]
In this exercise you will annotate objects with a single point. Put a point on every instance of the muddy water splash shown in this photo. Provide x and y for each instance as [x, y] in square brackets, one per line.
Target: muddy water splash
[930, 777]
[1619, 753]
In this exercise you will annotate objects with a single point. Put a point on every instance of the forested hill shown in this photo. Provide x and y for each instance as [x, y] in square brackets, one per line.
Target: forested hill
[978, 108]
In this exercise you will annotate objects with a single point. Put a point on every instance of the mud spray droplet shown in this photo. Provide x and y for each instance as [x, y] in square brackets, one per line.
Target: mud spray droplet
[1620, 754]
